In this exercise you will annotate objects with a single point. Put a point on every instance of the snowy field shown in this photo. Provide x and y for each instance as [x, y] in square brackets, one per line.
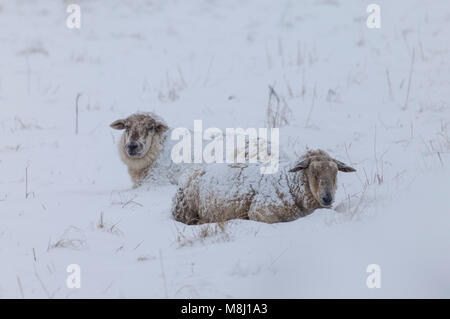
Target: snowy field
[378, 99]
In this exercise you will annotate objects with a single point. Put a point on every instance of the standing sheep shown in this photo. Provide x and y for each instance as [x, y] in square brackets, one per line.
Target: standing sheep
[224, 192]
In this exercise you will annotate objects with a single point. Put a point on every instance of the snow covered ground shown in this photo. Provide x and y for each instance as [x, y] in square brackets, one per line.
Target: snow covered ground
[67, 199]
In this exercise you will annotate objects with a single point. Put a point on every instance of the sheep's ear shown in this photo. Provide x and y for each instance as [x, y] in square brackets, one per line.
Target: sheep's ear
[344, 167]
[299, 166]
[118, 125]
[161, 127]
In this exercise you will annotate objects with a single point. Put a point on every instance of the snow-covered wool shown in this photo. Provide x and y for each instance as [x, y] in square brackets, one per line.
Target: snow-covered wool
[222, 192]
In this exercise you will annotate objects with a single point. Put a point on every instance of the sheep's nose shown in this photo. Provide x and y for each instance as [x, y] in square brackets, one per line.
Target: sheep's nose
[132, 147]
[327, 199]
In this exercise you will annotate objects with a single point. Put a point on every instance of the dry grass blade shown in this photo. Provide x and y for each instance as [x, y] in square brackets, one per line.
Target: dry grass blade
[217, 232]
[409, 80]
[163, 274]
[19, 283]
[278, 112]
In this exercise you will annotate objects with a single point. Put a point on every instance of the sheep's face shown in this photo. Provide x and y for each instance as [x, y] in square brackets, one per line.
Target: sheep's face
[321, 173]
[140, 131]
[322, 177]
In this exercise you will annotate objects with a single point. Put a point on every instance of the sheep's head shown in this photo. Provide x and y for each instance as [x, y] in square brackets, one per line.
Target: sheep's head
[321, 172]
[140, 130]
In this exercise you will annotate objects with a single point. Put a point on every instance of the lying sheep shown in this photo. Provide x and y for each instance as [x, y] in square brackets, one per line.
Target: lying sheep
[145, 147]
[223, 192]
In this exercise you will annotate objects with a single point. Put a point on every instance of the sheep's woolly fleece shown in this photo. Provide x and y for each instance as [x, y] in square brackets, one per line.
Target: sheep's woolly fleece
[223, 192]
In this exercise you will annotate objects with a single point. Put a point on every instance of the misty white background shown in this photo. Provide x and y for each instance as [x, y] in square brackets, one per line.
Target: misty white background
[345, 87]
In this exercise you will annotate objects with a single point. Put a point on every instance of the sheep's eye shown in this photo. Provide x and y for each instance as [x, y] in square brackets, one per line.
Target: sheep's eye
[151, 128]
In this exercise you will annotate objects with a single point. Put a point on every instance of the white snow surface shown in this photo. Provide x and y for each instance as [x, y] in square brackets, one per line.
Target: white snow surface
[345, 84]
